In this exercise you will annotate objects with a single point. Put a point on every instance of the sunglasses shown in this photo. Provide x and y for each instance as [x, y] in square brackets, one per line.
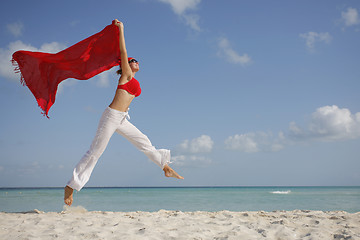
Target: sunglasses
[133, 61]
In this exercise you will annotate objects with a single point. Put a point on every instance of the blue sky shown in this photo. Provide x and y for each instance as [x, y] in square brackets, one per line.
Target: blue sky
[244, 93]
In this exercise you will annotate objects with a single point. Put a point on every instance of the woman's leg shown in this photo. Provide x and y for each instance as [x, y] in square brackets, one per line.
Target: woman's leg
[84, 168]
[160, 157]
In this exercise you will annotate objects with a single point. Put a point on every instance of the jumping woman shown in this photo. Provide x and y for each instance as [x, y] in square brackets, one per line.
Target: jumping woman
[115, 118]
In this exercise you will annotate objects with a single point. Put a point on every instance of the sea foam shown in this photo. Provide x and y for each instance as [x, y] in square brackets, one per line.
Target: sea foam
[281, 192]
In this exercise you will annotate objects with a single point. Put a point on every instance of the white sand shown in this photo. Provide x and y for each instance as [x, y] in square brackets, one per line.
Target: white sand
[77, 223]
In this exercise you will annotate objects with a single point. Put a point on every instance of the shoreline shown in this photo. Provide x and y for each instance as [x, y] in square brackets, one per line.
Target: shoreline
[225, 186]
[186, 199]
[78, 223]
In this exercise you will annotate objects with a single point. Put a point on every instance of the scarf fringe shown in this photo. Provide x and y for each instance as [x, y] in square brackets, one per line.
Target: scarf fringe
[44, 113]
[22, 81]
[17, 70]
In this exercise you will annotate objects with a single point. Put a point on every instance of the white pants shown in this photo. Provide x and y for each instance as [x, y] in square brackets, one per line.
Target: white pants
[111, 121]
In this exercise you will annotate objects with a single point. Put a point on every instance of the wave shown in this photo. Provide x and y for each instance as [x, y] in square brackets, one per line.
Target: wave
[281, 192]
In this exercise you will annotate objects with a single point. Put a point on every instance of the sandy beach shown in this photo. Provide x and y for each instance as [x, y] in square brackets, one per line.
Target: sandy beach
[77, 223]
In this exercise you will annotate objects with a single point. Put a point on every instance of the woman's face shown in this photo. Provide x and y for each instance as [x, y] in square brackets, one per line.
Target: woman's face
[134, 65]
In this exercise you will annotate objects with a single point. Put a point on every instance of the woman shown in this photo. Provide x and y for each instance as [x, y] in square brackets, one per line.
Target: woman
[114, 119]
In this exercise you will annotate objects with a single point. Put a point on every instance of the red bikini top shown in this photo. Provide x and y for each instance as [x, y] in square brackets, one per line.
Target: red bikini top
[132, 87]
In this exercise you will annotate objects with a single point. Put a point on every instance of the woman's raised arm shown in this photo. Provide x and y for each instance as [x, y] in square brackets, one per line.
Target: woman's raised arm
[125, 67]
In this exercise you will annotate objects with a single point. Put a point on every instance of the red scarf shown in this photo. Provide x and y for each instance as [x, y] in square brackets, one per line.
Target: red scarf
[42, 72]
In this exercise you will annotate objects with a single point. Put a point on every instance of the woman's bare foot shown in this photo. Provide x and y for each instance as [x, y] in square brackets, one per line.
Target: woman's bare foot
[169, 172]
[68, 195]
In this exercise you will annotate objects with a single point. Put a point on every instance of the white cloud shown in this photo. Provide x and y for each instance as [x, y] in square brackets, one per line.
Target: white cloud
[350, 17]
[15, 28]
[6, 68]
[313, 37]
[192, 160]
[255, 142]
[226, 51]
[181, 7]
[52, 47]
[202, 144]
[31, 168]
[75, 23]
[1, 168]
[328, 123]
[242, 142]
[193, 21]
[64, 84]
[193, 152]
[103, 79]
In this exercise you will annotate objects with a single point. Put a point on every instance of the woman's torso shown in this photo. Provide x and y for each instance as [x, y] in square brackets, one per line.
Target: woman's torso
[122, 98]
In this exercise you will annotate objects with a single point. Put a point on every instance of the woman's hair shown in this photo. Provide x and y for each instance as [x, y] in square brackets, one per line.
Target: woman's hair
[119, 72]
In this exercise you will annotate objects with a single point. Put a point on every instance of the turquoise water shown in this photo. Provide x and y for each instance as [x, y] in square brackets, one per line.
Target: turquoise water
[185, 199]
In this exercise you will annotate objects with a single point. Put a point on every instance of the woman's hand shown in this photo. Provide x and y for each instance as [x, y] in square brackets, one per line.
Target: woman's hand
[118, 23]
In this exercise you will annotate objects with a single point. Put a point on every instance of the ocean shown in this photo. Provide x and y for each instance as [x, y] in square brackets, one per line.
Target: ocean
[129, 199]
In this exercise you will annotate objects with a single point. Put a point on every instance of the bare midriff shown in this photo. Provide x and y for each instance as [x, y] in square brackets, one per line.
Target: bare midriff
[122, 100]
